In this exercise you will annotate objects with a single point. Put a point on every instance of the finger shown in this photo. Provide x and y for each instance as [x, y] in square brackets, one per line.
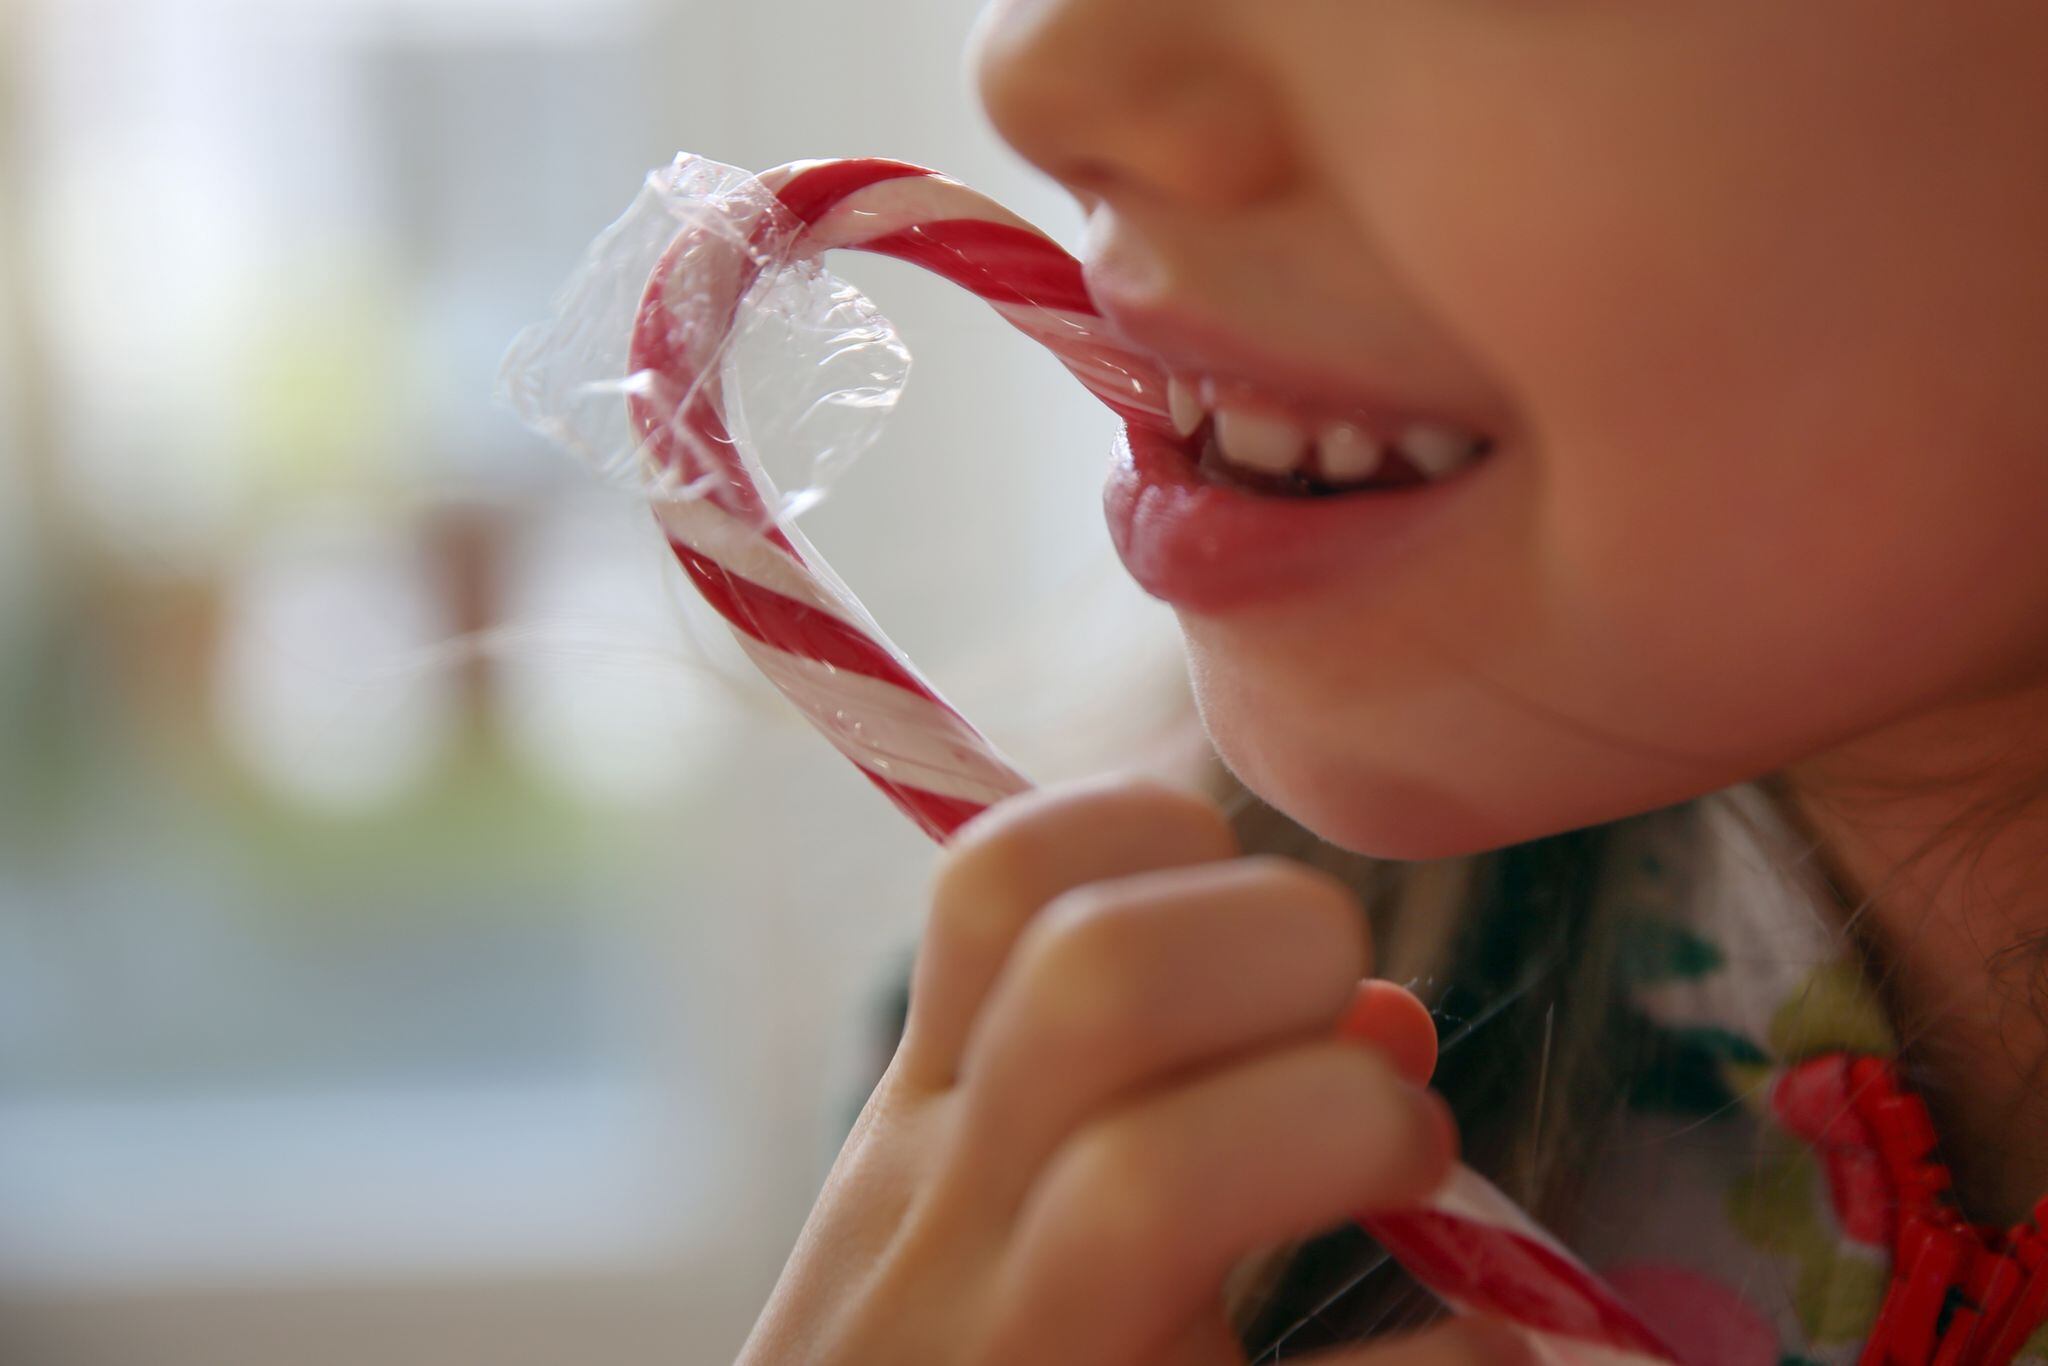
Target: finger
[1460, 1342]
[1393, 1020]
[1136, 1222]
[1007, 863]
[1121, 986]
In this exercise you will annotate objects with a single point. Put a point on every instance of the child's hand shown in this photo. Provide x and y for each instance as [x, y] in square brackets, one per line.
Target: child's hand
[1121, 1074]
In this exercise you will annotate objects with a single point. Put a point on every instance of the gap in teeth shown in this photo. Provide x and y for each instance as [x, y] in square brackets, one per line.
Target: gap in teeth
[1335, 453]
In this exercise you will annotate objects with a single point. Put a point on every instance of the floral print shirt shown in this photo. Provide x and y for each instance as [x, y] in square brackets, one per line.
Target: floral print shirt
[1784, 1257]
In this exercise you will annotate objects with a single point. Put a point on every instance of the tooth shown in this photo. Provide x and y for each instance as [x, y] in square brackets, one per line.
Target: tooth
[1347, 452]
[1435, 450]
[1272, 445]
[1185, 406]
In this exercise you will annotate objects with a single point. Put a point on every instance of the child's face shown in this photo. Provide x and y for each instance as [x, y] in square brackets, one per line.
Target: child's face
[1751, 294]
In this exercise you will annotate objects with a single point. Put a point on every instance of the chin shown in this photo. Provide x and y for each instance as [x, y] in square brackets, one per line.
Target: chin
[1408, 768]
[1380, 813]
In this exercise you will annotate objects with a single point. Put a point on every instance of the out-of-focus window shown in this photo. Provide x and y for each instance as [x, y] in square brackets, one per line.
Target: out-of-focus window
[420, 940]
[317, 944]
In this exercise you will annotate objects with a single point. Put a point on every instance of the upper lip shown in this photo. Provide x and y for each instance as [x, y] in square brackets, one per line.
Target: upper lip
[1188, 344]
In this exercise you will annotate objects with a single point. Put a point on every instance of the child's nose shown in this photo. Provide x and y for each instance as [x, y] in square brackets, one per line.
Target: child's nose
[1132, 99]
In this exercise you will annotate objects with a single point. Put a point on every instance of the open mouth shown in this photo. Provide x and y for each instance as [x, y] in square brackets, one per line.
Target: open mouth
[1267, 450]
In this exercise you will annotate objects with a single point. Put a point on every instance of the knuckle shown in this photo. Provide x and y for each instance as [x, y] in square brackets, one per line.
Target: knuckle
[1322, 896]
[1039, 821]
[1311, 886]
[967, 876]
[1004, 821]
[1111, 1193]
[1080, 972]
[997, 839]
[1194, 814]
[1017, 847]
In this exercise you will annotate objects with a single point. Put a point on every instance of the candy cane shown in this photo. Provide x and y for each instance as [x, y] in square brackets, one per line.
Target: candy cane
[1470, 1244]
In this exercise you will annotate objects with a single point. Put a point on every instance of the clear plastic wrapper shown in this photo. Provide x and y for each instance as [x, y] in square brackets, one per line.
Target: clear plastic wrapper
[699, 332]
[811, 370]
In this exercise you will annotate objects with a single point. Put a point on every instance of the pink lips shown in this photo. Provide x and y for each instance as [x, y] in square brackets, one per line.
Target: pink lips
[1214, 548]
[1211, 548]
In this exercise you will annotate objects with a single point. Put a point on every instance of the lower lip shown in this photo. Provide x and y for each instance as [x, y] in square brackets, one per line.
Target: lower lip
[1210, 548]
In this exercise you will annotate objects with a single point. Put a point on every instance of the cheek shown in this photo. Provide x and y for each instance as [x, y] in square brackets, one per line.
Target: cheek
[1782, 426]
[1619, 632]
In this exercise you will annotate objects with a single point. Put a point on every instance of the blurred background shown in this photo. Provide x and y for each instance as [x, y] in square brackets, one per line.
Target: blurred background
[421, 938]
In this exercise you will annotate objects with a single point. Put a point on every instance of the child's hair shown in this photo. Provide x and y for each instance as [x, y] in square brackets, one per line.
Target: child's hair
[1514, 951]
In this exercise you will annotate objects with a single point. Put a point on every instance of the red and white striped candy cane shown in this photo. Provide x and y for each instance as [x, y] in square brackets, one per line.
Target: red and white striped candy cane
[1471, 1245]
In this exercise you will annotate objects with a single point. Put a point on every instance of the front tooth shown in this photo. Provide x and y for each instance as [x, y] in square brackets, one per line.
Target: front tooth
[1271, 445]
[1184, 405]
[1347, 452]
[1435, 450]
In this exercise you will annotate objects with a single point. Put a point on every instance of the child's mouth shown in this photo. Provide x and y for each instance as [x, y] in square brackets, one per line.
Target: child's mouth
[1270, 451]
